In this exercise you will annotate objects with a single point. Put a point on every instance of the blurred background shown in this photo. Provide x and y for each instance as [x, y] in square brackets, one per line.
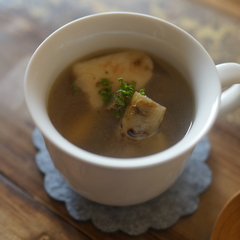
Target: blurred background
[24, 24]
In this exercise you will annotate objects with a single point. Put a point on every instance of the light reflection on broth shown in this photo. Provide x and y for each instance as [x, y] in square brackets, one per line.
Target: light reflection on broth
[95, 130]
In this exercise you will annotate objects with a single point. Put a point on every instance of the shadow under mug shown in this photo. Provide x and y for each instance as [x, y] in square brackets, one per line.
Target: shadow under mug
[115, 181]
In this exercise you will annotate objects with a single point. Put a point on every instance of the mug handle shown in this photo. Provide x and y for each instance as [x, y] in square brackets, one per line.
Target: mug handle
[229, 75]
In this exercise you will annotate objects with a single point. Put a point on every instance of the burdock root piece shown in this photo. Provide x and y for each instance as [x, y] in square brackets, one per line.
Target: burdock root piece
[142, 117]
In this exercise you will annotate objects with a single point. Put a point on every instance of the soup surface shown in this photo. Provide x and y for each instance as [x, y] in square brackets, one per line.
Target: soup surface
[95, 130]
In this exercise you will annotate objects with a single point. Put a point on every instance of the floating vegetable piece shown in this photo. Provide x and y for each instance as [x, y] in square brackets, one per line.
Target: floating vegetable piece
[142, 117]
[129, 147]
[130, 65]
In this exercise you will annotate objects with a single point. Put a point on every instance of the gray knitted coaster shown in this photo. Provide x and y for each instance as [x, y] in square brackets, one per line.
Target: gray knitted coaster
[181, 199]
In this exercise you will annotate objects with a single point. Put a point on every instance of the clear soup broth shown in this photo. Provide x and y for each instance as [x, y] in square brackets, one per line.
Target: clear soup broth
[95, 130]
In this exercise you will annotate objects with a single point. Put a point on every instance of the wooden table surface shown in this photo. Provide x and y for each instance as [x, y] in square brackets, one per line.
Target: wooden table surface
[26, 211]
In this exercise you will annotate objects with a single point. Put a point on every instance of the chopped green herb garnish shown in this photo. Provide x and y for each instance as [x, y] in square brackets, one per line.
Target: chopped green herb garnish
[118, 112]
[106, 72]
[74, 86]
[120, 101]
[125, 92]
[106, 91]
[106, 94]
[121, 98]
[142, 91]
[105, 82]
[126, 89]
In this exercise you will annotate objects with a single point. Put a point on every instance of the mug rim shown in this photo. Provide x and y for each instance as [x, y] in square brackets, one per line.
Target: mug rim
[99, 160]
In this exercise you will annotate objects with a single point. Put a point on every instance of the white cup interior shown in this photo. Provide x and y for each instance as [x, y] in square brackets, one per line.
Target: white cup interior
[127, 30]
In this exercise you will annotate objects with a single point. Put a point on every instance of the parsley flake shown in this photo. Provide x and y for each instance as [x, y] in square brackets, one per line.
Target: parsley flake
[142, 91]
[74, 86]
[106, 91]
[126, 89]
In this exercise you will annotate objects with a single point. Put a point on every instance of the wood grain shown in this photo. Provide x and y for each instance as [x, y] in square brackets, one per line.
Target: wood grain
[27, 212]
[24, 218]
[228, 223]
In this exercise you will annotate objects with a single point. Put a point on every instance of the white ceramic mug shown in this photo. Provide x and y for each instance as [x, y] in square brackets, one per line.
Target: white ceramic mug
[116, 181]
